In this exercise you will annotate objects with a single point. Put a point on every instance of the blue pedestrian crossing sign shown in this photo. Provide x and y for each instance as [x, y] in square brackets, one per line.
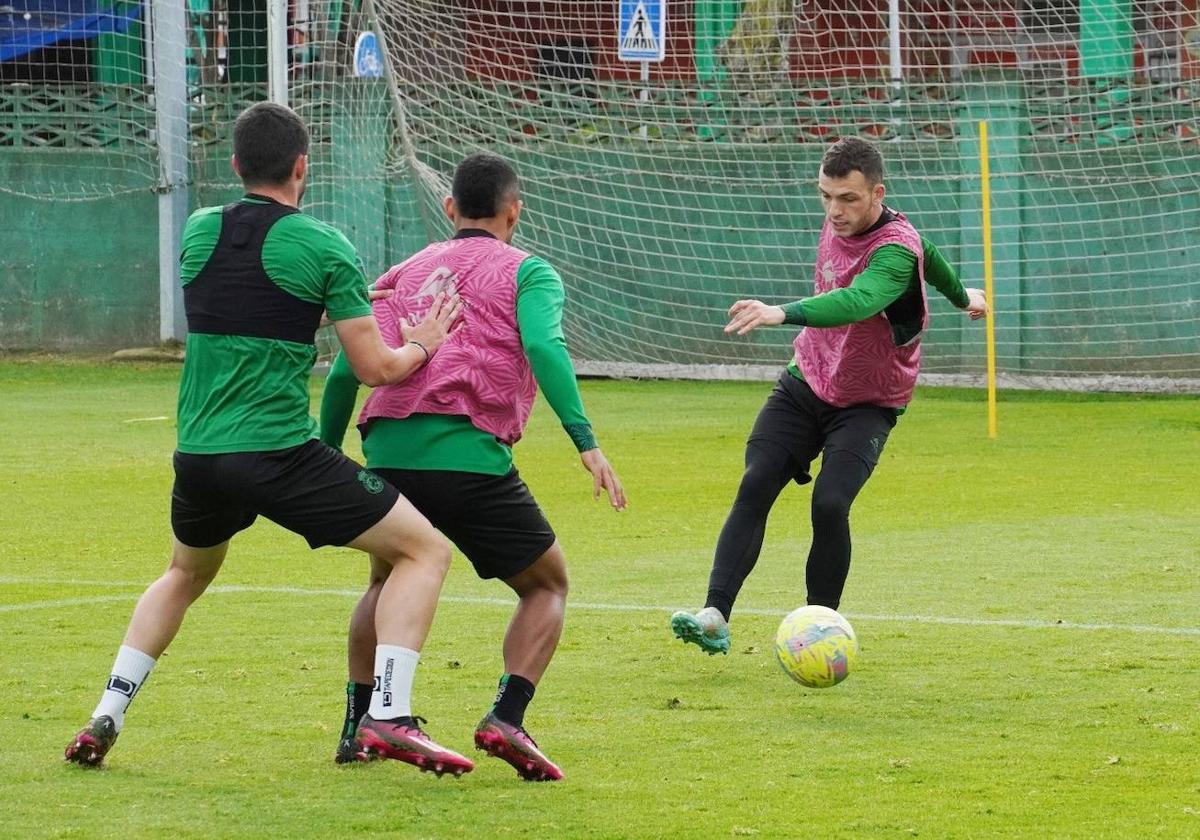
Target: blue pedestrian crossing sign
[642, 30]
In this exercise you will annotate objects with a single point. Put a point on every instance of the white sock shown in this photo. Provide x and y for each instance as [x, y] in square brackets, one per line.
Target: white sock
[129, 674]
[395, 668]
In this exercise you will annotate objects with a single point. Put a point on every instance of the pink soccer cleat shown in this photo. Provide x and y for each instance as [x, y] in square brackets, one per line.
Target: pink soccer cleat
[513, 744]
[92, 742]
[407, 742]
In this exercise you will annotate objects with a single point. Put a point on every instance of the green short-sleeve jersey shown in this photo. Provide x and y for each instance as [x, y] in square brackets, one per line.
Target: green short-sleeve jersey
[243, 390]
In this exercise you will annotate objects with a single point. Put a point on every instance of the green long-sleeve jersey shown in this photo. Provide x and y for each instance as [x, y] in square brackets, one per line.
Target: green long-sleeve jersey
[891, 274]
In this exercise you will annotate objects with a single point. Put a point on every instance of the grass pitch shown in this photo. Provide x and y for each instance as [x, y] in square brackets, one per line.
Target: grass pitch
[1029, 612]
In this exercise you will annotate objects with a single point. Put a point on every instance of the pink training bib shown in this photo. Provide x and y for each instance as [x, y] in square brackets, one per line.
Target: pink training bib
[860, 362]
[481, 370]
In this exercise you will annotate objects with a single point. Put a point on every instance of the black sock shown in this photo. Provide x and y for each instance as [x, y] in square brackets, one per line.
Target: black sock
[512, 697]
[358, 700]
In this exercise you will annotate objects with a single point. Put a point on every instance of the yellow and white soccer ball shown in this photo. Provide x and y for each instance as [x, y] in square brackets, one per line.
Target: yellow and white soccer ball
[816, 646]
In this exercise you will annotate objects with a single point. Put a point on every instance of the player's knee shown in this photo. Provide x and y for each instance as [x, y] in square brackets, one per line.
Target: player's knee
[192, 581]
[430, 550]
[547, 576]
[378, 574]
[759, 487]
[433, 551]
[830, 507]
[556, 581]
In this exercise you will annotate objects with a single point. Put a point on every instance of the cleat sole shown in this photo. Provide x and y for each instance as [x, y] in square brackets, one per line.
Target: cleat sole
[83, 754]
[375, 747]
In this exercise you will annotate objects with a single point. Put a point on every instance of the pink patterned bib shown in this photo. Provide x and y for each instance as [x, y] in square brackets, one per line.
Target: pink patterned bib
[860, 362]
[481, 370]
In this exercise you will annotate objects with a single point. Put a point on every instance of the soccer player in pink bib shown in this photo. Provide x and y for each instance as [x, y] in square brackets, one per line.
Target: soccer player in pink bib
[444, 438]
[855, 365]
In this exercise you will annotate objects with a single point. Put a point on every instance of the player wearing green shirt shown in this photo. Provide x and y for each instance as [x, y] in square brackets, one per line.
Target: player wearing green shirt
[460, 475]
[890, 284]
[796, 424]
[257, 276]
[244, 390]
[450, 441]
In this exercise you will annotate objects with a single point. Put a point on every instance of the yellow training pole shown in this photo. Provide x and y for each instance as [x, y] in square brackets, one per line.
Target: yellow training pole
[990, 321]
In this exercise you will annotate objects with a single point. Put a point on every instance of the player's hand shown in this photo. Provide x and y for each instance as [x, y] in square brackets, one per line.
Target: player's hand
[437, 324]
[976, 304]
[745, 315]
[603, 477]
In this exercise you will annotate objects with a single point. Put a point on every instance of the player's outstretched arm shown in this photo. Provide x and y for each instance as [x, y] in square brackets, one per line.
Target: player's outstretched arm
[540, 300]
[747, 315]
[885, 279]
[603, 478]
[375, 363]
[942, 276]
[372, 295]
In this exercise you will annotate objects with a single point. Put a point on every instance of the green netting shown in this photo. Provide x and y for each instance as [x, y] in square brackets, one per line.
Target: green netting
[661, 201]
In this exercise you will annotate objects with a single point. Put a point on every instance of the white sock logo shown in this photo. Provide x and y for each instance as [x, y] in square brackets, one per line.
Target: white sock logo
[386, 688]
[122, 686]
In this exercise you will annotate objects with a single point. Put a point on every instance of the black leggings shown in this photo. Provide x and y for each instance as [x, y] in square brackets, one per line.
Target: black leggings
[793, 426]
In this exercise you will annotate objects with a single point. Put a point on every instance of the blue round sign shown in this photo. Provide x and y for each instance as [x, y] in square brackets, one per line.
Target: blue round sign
[368, 59]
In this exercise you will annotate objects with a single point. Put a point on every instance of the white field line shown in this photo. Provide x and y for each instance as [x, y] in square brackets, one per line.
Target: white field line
[65, 602]
[232, 589]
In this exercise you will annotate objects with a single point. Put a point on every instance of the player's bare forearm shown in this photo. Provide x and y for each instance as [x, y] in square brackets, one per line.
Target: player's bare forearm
[375, 363]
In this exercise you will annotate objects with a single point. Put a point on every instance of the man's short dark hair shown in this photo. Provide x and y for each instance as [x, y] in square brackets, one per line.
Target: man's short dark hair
[850, 154]
[267, 139]
[483, 184]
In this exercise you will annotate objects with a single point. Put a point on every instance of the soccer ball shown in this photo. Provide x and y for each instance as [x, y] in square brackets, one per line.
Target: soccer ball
[816, 647]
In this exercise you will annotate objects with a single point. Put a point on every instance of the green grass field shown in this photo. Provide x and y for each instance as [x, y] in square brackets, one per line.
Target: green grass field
[1029, 612]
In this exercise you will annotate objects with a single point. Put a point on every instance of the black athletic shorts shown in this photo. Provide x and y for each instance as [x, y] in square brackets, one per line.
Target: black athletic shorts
[799, 424]
[311, 489]
[493, 519]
